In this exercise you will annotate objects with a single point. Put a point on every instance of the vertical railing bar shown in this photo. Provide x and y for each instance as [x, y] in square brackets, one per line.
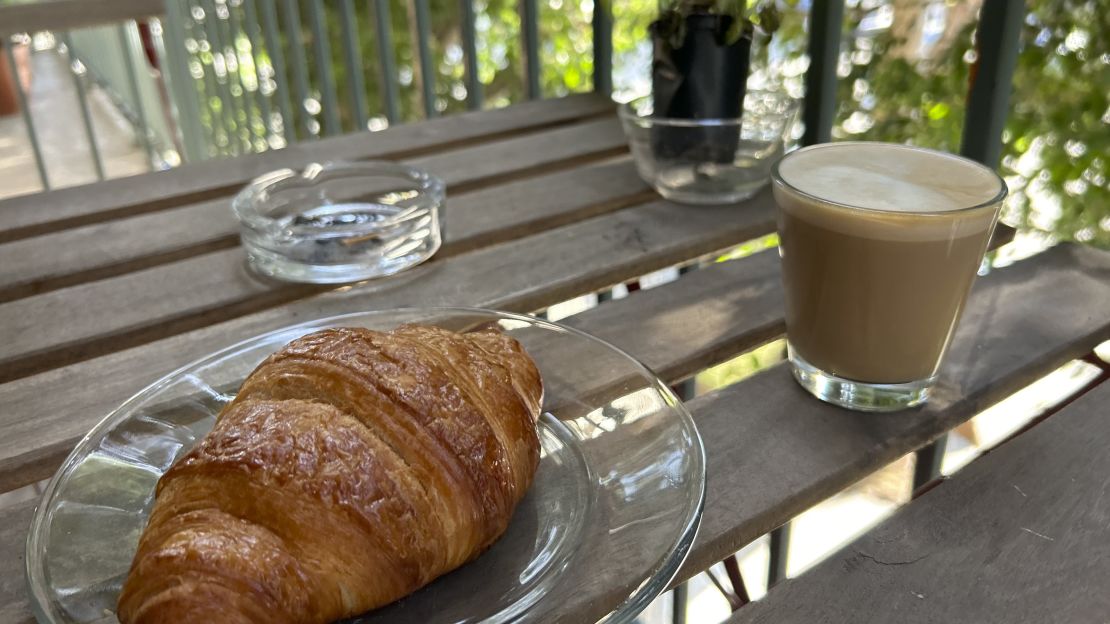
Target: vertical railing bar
[427, 71]
[928, 461]
[254, 34]
[603, 47]
[176, 72]
[216, 47]
[686, 390]
[352, 51]
[679, 598]
[530, 30]
[226, 43]
[384, 27]
[28, 121]
[826, 18]
[470, 55]
[277, 59]
[322, 50]
[780, 552]
[160, 78]
[732, 568]
[216, 121]
[133, 83]
[300, 64]
[83, 104]
[220, 119]
[250, 98]
[997, 42]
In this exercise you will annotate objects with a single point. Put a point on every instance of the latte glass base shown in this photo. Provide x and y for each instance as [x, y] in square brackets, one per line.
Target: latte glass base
[858, 395]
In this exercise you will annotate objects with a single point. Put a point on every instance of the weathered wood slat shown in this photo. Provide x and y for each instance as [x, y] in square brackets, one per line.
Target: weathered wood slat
[532, 154]
[726, 308]
[115, 377]
[41, 213]
[14, 521]
[476, 217]
[40, 423]
[1020, 535]
[774, 451]
[749, 428]
[44, 324]
[138, 307]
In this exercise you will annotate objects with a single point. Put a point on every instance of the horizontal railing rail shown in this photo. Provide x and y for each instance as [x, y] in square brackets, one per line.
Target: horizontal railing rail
[55, 15]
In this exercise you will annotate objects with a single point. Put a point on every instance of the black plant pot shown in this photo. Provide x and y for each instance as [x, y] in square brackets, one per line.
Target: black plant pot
[703, 78]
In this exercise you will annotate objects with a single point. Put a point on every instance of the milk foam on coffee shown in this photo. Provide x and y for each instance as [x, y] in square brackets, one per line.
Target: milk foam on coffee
[879, 176]
[880, 243]
[888, 191]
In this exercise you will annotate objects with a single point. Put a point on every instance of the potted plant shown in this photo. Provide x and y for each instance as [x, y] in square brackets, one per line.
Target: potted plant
[702, 51]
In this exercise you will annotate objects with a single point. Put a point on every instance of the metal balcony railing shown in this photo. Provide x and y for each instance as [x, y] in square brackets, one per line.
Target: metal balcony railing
[209, 78]
[239, 77]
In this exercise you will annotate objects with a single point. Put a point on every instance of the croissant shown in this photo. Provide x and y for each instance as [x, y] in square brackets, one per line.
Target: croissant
[353, 467]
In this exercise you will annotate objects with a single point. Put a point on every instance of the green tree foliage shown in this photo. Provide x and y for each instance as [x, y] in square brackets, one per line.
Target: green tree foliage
[1056, 143]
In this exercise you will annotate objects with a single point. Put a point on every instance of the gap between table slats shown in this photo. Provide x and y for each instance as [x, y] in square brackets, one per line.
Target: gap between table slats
[1005, 341]
[78, 255]
[214, 280]
[1017, 536]
[476, 219]
[45, 413]
[726, 308]
[24, 216]
[41, 424]
[774, 451]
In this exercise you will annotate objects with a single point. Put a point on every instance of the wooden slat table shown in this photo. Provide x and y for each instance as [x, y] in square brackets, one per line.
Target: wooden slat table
[1018, 536]
[105, 288]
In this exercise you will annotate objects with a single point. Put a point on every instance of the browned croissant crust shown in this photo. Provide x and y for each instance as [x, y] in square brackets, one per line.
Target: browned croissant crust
[353, 467]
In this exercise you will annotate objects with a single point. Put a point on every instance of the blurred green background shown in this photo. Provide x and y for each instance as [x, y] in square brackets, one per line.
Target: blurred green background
[903, 68]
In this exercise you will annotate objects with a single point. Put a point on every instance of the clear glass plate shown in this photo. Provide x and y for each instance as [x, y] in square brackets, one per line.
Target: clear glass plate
[611, 515]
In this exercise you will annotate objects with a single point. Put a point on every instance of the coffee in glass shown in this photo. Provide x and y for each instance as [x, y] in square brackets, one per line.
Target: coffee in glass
[880, 244]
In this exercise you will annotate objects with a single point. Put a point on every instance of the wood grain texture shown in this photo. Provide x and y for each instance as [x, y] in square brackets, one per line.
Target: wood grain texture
[774, 451]
[476, 218]
[698, 321]
[39, 424]
[749, 428]
[42, 213]
[218, 280]
[1020, 535]
[59, 15]
[726, 308]
[15, 608]
[535, 153]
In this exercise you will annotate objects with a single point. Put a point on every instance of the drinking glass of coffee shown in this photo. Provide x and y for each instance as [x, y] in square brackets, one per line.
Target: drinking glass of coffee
[880, 244]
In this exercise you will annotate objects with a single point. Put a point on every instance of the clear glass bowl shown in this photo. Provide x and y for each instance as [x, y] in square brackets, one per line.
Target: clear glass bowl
[613, 510]
[709, 161]
[340, 222]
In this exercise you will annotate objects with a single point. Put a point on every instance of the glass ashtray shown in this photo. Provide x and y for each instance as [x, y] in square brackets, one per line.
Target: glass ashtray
[709, 161]
[609, 518]
[333, 223]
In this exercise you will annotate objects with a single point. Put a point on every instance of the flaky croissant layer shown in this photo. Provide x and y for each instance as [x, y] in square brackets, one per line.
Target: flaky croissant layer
[353, 467]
